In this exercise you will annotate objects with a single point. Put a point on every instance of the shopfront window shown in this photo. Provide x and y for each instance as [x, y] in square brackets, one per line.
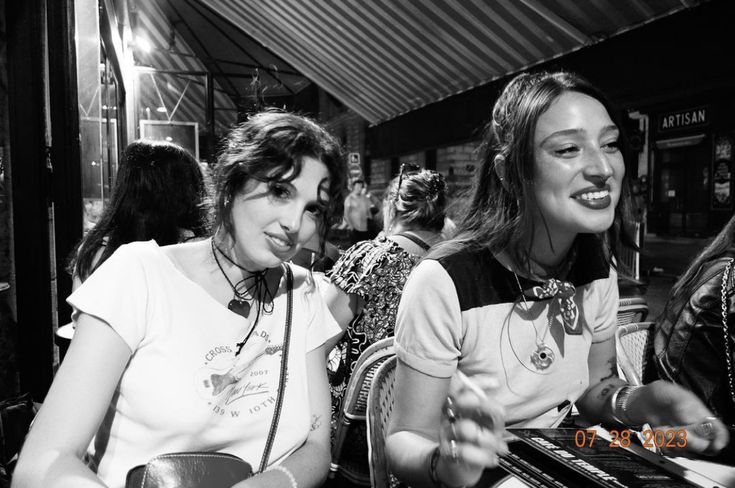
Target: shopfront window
[99, 105]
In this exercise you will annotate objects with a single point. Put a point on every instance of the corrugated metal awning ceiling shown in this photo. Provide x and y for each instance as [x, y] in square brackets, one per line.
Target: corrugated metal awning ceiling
[383, 58]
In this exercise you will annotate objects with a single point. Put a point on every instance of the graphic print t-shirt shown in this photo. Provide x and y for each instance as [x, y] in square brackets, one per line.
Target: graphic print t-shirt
[184, 388]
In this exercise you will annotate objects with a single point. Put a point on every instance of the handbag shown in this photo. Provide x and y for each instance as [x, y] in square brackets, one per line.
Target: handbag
[16, 416]
[204, 469]
[726, 331]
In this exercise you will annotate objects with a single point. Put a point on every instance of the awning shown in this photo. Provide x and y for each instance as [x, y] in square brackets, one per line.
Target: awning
[383, 58]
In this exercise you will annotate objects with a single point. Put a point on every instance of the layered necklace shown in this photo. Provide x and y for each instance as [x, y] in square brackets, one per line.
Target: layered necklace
[252, 288]
[543, 356]
[563, 292]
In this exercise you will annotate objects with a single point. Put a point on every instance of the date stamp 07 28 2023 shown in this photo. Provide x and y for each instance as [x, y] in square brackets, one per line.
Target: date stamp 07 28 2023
[649, 438]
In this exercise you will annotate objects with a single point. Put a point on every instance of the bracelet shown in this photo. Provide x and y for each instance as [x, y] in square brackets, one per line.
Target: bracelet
[432, 470]
[619, 405]
[287, 472]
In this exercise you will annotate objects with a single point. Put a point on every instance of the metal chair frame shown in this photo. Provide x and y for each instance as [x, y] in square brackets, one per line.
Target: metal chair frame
[354, 402]
[379, 408]
[632, 309]
[632, 343]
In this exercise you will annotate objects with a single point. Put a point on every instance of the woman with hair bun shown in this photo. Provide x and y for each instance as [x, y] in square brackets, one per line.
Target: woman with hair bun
[367, 281]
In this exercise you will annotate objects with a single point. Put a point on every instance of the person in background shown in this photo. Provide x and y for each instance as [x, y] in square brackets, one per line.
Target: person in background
[160, 193]
[357, 212]
[367, 281]
[522, 302]
[180, 348]
[692, 346]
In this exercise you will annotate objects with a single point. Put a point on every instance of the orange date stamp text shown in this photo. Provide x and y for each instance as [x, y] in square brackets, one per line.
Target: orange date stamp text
[649, 438]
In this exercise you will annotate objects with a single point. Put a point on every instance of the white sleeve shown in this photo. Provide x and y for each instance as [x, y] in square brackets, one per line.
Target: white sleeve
[429, 327]
[321, 324]
[607, 318]
[117, 294]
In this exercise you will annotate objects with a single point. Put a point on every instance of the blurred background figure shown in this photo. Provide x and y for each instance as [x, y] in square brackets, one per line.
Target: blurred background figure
[694, 344]
[357, 212]
[160, 194]
[367, 281]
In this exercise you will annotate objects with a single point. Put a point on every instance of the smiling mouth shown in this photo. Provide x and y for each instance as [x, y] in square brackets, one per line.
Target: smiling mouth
[280, 242]
[594, 195]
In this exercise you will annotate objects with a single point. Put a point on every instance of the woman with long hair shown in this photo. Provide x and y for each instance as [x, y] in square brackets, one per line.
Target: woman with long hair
[160, 194]
[694, 343]
[523, 302]
[213, 345]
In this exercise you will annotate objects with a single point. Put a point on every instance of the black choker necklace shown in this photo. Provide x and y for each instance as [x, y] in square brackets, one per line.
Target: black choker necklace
[257, 289]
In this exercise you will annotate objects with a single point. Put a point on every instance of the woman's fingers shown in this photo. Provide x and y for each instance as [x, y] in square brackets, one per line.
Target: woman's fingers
[468, 404]
[708, 436]
[465, 441]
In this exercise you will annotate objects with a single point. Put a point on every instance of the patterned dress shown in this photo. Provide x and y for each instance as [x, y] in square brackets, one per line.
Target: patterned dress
[376, 271]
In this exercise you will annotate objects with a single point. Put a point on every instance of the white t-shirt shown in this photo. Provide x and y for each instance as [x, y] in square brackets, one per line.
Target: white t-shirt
[183, 388]
[465, 312]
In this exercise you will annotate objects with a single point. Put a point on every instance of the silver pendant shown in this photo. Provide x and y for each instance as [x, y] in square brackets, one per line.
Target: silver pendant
[542, 357]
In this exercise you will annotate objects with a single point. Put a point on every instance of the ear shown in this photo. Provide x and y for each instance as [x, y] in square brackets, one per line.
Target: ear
[499, 163]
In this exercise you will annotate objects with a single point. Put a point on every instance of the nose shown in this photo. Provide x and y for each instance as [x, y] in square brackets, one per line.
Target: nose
[291, 219]
[598, 167]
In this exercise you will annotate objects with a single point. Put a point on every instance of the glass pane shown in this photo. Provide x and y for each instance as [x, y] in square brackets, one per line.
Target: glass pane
[171, 107]
[89, 68]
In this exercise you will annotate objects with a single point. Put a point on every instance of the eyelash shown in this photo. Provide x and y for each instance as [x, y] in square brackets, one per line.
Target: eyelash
[612, 146]
[317, 209]
[279, 191]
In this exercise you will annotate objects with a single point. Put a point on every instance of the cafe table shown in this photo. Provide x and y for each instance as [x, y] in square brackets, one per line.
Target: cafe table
[703, 474]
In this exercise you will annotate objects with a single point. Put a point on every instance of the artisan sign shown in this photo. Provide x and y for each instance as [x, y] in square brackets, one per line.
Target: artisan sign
[691, 117]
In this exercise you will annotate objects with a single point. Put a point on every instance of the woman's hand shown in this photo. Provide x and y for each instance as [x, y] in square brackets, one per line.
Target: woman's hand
[470, 437]
[666, 405]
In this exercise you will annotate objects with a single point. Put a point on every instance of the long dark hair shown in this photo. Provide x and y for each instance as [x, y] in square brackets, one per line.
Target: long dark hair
[270, 146]
[160, 190]
[499, 215]
[685, 285]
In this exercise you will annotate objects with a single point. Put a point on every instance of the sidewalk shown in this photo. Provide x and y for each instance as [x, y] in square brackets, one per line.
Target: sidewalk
[663, 259]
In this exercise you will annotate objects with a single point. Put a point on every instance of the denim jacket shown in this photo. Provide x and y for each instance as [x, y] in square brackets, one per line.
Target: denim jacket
[688, 341]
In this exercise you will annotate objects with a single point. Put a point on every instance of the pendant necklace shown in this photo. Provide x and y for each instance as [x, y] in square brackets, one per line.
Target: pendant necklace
[543, 356]
[257, 289]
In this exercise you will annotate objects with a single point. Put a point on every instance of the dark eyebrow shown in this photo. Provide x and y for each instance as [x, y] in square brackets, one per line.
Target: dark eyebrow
[572, 132]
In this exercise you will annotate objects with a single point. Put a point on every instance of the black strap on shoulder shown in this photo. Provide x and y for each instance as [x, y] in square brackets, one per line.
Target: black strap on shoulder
[284, 371]
[415, 239]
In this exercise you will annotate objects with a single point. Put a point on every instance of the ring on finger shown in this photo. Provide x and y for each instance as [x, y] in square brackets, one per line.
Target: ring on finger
[449, 411]
[453, 450]
[706, 428]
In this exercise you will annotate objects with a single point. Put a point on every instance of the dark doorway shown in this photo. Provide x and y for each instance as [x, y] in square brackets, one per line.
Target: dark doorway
[682, 190]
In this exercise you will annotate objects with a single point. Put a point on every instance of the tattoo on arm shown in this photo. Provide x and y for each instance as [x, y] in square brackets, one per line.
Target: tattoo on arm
[316, 422]
[613, 372]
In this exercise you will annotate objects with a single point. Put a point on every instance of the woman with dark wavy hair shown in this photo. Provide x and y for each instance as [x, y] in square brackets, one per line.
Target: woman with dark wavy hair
[524, 301]
[160, 194]
[207, 345]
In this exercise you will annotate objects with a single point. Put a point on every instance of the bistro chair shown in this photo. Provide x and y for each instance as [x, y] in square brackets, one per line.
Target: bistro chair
[632, 309]
[633, 344]
[354, 405]
[379, 408]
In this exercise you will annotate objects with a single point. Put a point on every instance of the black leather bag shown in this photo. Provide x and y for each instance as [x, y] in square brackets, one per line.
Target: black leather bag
[16, 415]
[201, 469]
[189, 470]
